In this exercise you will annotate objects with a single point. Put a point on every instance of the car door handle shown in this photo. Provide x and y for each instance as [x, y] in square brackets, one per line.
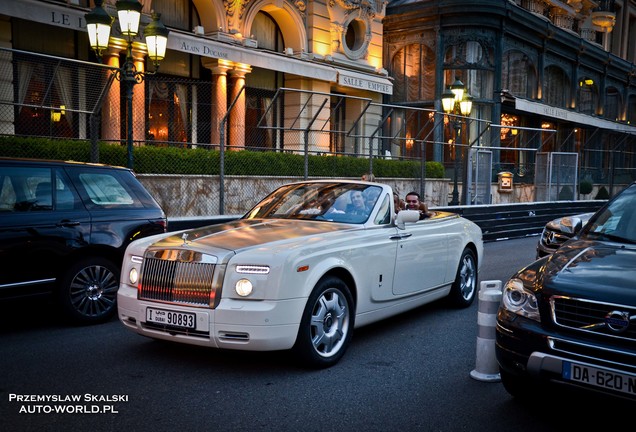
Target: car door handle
[67, 223]
[400, 236]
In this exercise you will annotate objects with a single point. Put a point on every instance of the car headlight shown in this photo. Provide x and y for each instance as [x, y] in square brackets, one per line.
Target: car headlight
[243, 287]
[133, 273]
[133, 276]
[519, 300]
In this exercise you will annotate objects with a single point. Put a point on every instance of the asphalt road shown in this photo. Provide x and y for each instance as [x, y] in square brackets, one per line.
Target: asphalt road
[409, 373]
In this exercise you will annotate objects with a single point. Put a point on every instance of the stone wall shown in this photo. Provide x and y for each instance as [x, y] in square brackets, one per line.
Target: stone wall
[198, 195]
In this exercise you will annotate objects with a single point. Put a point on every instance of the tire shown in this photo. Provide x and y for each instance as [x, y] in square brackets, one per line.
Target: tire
[327, 324]
[464, 289]
[88, 291]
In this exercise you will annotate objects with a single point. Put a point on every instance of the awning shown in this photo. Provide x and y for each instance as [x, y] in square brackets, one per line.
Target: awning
[279, 62]
[571, 116]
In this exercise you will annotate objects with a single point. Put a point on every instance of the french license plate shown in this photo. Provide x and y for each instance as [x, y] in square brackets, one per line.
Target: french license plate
[171, 318]
[600, 377]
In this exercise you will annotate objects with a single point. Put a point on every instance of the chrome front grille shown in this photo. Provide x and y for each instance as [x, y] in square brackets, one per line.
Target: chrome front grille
[607, 319]
[178, 276]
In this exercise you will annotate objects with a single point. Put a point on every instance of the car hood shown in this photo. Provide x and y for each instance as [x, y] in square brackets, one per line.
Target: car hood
[591, 269]
[246, 233]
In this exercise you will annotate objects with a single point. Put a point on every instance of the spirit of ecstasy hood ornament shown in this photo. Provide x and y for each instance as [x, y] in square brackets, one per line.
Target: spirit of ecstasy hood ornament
[185, 239]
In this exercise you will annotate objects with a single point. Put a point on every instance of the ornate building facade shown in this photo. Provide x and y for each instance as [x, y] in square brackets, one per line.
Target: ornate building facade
[544, 75]
[226, 62]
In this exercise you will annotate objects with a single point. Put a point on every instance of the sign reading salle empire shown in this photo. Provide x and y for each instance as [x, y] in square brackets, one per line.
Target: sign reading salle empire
[364, 84]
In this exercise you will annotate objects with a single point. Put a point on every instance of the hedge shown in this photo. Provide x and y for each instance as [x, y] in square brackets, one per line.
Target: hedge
[176, 160]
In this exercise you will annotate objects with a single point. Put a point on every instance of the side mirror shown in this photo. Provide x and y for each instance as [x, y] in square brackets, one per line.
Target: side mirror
[404, 216]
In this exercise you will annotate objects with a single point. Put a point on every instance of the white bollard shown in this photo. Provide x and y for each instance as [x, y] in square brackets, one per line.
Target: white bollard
[486, 367]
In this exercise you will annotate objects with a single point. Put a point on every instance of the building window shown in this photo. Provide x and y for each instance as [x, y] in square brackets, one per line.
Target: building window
[519, 75]
[612, 104]
[472, 64]
[169, 111]
[414, 74]
[556, 89]
[587, 98]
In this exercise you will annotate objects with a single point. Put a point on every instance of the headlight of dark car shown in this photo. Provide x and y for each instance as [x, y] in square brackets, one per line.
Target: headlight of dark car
[519, 300]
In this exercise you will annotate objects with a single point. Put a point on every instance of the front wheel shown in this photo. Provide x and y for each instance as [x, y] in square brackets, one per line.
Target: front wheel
[88, 291]
[326, 326]
[464, 288]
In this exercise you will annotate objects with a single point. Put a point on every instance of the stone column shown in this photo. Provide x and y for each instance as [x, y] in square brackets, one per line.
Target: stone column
[236, 139]
[219, 70]
[139, 99]
[111, 106]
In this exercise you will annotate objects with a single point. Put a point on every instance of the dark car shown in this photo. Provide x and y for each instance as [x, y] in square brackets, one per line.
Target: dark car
[571, 317]
[64, 227]
[558, 231]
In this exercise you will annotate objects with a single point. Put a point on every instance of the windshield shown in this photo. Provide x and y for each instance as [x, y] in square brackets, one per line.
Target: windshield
[335, 202]
[617, 221]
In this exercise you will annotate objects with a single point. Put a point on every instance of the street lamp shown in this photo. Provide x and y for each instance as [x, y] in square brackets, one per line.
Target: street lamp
[98, 25]
[457, 102]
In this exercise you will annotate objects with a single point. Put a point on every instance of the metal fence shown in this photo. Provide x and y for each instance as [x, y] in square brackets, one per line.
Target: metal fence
[66, 100]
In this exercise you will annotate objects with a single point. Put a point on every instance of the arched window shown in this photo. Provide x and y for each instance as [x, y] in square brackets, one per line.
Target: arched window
[519, 75]
[414, 71]
[267, 32]
[261, 85]
[613, 104]
[631, 110]
[587, 97]
[556, 89]
[472, 63]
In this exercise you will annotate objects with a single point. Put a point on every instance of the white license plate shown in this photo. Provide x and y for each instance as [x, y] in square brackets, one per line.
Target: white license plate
[171, 318]
[600, 377]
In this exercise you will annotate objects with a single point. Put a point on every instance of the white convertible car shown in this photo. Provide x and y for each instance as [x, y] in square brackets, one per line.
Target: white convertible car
[299, 271]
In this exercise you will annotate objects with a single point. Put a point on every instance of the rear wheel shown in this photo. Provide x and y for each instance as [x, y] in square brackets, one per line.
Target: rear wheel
[88, 291]
[327, 324]
[464, 288]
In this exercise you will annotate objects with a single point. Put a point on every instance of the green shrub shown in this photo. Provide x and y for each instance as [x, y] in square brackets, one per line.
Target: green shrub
[566, 194]
[602, 194]
[585, 187]
[178, 160]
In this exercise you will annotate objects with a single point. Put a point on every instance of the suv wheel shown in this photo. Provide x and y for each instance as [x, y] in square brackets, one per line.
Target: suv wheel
[89, 290]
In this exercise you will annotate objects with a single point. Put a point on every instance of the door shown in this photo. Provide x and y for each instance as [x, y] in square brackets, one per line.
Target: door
[41, 221]
[421, 257]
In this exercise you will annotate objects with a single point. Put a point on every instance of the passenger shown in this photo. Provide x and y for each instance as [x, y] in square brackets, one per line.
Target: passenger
[370, 196]
[413, 203]
[398, 203]
[358, 205]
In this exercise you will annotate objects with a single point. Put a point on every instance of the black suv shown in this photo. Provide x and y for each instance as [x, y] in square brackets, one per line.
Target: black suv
[570, 317]
[64, 227]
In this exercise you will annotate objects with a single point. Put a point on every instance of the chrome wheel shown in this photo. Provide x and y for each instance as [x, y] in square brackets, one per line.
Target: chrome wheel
[327, 324]
[89, 292]
[464, 287]
[467, 277]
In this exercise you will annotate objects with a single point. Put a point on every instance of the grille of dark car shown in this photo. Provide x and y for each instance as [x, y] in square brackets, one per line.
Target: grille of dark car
[178, 276]
[607, 319]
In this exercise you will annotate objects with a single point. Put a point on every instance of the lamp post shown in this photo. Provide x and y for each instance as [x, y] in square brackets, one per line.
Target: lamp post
[98, 25]
[457, 102]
